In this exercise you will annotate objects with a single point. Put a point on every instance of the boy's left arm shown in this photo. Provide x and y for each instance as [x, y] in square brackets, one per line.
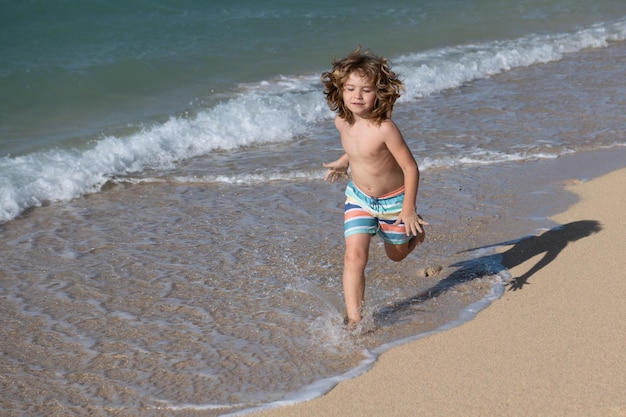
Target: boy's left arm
[412, 221]
[399, 149]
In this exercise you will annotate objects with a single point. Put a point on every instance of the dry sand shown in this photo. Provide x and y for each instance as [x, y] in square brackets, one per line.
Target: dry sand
[555, 346]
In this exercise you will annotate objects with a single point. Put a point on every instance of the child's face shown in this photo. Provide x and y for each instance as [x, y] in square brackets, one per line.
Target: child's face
[359, 95]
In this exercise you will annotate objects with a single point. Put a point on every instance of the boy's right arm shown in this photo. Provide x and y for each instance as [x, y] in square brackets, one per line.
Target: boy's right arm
[337, 169]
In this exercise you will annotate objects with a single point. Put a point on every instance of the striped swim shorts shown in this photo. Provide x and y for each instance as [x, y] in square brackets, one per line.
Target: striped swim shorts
[365, 214]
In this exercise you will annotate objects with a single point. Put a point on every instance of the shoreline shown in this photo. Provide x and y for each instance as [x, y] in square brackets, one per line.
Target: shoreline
[552, 345]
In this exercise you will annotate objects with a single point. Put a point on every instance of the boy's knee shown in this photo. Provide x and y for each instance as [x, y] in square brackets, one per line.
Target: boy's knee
[355, 256]
[398, 252]
[396, 256]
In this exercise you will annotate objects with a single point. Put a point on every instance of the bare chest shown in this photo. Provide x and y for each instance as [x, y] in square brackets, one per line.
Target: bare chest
[363, 145]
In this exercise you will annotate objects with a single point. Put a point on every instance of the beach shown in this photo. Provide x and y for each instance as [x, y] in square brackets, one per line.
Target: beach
[554, 347]
[169, 246]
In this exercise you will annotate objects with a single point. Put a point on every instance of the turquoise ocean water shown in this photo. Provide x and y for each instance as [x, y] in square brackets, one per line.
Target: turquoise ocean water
[168, 245]
[76, 76]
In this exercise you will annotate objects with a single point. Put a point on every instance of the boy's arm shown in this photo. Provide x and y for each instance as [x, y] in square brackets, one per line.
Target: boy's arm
[412, 221]
[403, 156]
[337, 169]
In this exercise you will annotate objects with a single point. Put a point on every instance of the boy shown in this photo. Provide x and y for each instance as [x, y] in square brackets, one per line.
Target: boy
[384, 177]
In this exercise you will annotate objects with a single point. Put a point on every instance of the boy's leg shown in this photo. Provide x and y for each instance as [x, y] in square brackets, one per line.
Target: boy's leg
[355, 260]
[399, 252]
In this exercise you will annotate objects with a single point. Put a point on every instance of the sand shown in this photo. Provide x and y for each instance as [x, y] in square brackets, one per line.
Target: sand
[553, 345]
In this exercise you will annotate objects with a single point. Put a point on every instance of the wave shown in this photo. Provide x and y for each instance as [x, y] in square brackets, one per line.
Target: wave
[478, 158]
[437, 70]
[269, 112]
[60, 175]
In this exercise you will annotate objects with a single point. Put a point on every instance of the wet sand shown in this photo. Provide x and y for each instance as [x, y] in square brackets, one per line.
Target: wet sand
[553, 345]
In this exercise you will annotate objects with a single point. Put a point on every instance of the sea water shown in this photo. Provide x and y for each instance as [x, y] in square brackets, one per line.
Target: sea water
[168, 244]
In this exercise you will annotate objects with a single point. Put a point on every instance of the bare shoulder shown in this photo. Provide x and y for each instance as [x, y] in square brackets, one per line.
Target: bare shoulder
[340, 123]
[389, 130]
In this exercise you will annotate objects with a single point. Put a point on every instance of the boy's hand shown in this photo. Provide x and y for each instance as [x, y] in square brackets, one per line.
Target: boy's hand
[336, 171]
[412, 223]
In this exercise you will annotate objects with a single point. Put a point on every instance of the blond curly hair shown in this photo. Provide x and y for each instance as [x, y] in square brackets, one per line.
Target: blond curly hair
[374, 68]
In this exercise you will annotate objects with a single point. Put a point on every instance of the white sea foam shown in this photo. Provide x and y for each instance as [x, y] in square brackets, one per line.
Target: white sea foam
[479, 157]
[428, 72]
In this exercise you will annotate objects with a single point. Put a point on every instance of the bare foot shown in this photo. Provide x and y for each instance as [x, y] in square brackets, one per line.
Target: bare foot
[351, 324]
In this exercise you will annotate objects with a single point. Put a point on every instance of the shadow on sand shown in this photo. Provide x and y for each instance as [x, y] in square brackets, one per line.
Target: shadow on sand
[549, 243]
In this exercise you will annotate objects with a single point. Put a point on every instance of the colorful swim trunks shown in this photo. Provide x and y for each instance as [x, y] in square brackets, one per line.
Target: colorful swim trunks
[365, 214]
